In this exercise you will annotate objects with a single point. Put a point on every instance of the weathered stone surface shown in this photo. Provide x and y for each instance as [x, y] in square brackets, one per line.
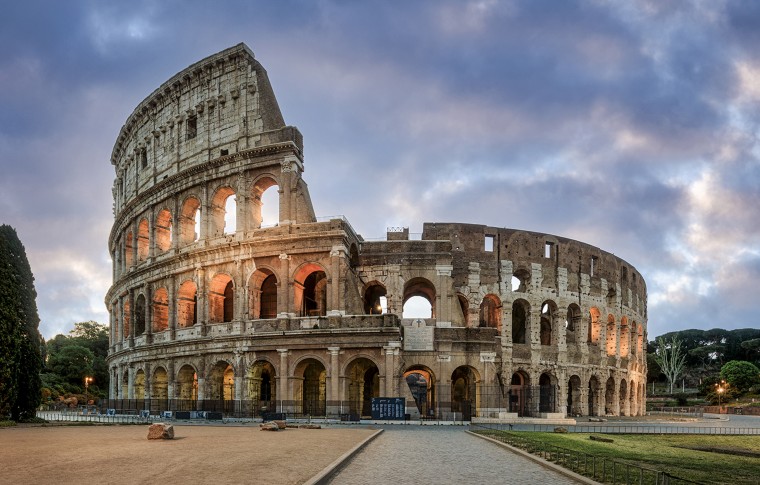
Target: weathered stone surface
[161, 431]
[269, 426]
[310, 426]
[560, 429]
[281, 423]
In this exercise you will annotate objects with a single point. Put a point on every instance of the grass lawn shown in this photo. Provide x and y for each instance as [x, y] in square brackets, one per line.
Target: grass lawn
[683, 456]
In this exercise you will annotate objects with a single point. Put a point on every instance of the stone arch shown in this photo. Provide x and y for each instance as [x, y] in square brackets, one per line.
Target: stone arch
[160, 310]
[519, 393]
[611, 335]
[420, 381]
[573, 323]
[221, 381]
[574, 404]
[129, 250]
[159, 386]
[609, 396]
[374, 294]
[547, 401]
[363, 383]
[221, 300]
[261, 186]
[163, 230]
[464, 305]
[420, 287]
[139, 385]
[124, 383]
[188, 219]
[594, 393]
[310, 290]
[219, 216]
[310, 387]
[490, 312]
[262, 288]
[625, 337]
[520, 321]
[143, 240]
[187, 383]
[548, 332]
[623, 397]
[139, 315]
[520, 280]
[464, 391]
[187, 304]
[262, 385]
[595, 325]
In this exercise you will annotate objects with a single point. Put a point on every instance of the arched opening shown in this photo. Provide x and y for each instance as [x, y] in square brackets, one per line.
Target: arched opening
[464, 305]
[574, 404]
[220, 299]
[262, 386]
[547, 393]
[593, 395]
[139, 315]
[611, 335]
[263, 294]
[632, 390]
[311, 390]
[420, 381]
[124, 385]
[490, 312]
[159, 387]
[520, 280]
[160, 310]
[187, 304]
[464, 392]
[189, 221]
[609, 397]
[139, 385]
[375, 301]
[419, 299]
[221, 382]
[265, 203]
[126, 319]
[363, 380]
[573, 323]
[222, 220]
[143, 240]
[623, 397]
[311, 291]
[625, 337]
[129, 250]
[548, 315]
[595, 326]
[519, 394]
[163, 230]
[187, 384]
[520, 313]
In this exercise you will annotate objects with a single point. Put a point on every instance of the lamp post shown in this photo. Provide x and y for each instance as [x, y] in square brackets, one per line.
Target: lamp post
[721, 387]
[87, 381]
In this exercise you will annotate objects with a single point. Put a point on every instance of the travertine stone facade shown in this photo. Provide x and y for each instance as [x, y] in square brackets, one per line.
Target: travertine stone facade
[305, 317]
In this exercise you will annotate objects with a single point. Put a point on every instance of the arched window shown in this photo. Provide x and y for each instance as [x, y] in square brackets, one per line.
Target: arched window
[375, 302]
[160, 310]
[595, 326]
[548, 324]
[129, 250]
[143, 240]
[490, 312]
[310, 287]
[189, 221]
[520, 315]
[419, 299]
[223, 211]
[221, 299]
[163, 230]
[265, 203]
[187, 305]
[140, 315]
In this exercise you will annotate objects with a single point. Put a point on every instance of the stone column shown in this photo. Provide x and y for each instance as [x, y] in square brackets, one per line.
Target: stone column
[334, 301]
[205, 215]
[131, 297]
[172, 308]
[131, 383]
[284, 287]
[282, 386]
[171, 382]
[239, 375]
[561, 318]
[202, 304]
[148, 312]
[443, 293]
[334, 398]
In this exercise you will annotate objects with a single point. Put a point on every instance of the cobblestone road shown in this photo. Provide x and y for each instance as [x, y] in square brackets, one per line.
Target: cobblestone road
[440, 455]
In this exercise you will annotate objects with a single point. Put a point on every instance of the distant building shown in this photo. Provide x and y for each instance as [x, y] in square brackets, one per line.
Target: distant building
[304, 316]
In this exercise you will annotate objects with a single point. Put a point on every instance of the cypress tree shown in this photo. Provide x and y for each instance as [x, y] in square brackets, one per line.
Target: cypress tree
[20, 340]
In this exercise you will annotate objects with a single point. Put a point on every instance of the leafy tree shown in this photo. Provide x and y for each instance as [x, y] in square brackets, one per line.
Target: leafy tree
[671, 358]
[72, 365]
[20, 339]
[740, 374]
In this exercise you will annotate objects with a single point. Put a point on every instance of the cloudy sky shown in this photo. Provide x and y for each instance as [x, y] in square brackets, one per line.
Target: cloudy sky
[632, 126]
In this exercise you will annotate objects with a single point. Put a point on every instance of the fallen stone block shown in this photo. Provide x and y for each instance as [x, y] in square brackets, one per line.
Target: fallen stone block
[161, 431]
[270, 426]
[597, 420]
[310, 426]
[560, 429]
[280, 423]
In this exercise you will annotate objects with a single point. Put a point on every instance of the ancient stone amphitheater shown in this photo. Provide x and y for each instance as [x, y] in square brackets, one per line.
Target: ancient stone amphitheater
[215, 308]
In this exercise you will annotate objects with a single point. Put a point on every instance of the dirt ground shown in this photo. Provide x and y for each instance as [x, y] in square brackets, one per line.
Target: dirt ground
[198, 454]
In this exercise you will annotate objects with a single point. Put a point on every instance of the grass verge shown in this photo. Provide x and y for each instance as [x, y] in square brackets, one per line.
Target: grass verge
[678, 455]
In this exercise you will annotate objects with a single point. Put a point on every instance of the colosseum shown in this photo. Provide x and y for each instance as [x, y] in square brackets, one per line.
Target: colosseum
[231, 296]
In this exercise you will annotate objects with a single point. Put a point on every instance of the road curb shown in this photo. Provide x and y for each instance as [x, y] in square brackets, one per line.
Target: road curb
[537, 459]
[328, 472]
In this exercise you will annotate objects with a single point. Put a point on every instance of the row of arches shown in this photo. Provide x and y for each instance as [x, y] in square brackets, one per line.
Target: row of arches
[185, 225]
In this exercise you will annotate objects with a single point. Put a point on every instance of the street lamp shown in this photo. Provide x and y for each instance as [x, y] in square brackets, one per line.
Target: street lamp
[721, 388]
[87, 381]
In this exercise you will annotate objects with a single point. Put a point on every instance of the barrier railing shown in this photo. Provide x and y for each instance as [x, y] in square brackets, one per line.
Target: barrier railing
[601, 469]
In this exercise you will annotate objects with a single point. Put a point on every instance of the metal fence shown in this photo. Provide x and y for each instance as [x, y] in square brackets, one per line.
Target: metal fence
[601, 469]
[623, 428]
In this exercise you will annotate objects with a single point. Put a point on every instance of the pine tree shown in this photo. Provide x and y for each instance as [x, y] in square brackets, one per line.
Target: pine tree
[20, 340]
